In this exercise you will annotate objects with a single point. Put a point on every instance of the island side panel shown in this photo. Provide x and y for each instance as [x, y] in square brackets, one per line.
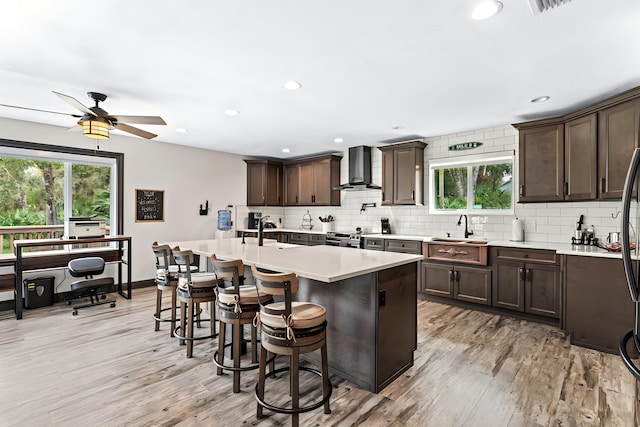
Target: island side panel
[370, 337]
[351, 325]
[397, 322]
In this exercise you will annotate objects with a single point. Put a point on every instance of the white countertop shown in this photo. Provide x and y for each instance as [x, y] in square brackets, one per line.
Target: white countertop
[283, 230]
[322, 263]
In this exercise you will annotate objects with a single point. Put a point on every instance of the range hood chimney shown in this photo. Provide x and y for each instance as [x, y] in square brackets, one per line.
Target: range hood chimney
[359, 170]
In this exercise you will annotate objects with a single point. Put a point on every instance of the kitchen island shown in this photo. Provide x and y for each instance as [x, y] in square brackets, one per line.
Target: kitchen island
[369, 296]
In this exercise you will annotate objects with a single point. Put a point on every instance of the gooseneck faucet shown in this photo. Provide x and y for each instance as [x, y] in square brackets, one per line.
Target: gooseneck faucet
[261, 230]
[467, 232]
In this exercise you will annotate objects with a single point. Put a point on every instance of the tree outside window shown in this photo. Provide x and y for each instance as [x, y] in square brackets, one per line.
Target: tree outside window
[478, 185]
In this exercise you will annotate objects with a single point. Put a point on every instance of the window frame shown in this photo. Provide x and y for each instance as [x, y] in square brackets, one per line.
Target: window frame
[469, 162]
[40, 151]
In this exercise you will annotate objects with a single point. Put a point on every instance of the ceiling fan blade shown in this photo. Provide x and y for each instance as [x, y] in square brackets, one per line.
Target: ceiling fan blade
[141, 120]
[75, 103]
[133, 130]
[42, 111]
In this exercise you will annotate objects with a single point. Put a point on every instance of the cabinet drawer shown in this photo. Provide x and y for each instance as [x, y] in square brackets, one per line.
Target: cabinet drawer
[404, 246]
[299, 238]
[317, 239]
[374, 243]
[528, 255]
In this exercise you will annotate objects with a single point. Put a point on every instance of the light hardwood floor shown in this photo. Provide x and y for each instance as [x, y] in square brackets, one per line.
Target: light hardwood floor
[108, 367]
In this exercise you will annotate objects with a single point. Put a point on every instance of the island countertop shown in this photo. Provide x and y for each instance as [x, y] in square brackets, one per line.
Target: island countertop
[322, 263]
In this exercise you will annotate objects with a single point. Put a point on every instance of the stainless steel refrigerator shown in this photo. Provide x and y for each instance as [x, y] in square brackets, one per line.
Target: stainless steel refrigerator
[629, 257]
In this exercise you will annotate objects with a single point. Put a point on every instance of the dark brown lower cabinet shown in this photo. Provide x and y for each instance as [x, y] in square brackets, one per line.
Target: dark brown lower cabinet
[599, 309]
[471, 284]
[527, 287]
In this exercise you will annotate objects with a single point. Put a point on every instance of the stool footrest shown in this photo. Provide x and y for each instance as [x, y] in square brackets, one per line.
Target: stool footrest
[175, 334]
[282, 410]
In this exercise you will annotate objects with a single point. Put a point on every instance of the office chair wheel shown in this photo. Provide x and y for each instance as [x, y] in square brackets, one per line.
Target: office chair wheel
[103, 296]
[75, 312]
[113, 304]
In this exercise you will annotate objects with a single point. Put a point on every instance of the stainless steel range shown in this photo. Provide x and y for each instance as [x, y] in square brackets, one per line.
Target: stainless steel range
[349, 240]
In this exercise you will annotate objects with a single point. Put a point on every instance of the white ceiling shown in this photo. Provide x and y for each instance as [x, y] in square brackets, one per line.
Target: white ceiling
[366, 66]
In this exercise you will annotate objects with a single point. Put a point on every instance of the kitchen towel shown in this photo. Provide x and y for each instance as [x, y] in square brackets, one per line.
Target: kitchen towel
[517, 230]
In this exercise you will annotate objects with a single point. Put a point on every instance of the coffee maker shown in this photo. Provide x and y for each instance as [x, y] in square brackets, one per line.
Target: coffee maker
[386, 227]
[254, 220]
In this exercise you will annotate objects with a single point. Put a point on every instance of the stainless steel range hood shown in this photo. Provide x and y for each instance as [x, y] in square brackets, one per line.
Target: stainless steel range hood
[359, 170]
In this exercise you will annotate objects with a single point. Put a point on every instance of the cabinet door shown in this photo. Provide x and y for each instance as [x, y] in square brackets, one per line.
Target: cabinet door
[322, 182]
[472, 285]
[404, 166]
[592, 289]
[618, 137]
[541, 152]
[292, 185]
[542, 290]
[387, 178]
[274, 185]
[256, 181]
[438, 279]
[306, 184]
[508, 286]
[580, 152]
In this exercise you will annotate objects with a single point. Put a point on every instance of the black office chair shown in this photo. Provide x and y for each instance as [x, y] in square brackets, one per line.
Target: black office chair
[87, 268]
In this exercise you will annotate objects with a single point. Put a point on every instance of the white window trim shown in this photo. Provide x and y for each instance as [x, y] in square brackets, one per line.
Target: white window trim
[468, 162]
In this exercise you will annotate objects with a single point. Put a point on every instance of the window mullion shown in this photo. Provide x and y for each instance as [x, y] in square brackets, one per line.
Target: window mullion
[68, 190]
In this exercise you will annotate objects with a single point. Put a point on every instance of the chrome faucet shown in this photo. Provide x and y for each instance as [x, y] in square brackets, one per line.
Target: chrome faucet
[467, 232]
[261, 230]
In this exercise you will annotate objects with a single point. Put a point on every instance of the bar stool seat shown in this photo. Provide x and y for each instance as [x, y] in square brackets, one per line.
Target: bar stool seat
[237, 305]
[290, 328]
[192, 290]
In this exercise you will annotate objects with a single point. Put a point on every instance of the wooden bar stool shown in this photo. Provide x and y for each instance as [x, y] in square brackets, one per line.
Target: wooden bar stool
[193, 289]
[290, 328]
[166, 280]
[237, 306]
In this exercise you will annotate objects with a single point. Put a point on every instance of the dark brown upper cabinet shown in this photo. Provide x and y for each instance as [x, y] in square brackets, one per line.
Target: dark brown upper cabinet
[403, 173]
[309, 182]
[580, 156]
[264, 183]
[541, 164]
[618, 137]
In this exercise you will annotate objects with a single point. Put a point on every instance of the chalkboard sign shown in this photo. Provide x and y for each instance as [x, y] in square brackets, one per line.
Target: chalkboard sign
[149, 205]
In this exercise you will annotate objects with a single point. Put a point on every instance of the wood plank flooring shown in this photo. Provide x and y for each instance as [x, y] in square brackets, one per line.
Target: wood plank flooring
[108, 367]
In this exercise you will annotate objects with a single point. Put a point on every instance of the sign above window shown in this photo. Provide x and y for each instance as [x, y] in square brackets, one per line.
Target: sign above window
[465, 146]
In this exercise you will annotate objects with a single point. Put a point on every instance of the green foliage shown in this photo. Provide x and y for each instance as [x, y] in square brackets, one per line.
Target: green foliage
[21, 217]
[31, 188]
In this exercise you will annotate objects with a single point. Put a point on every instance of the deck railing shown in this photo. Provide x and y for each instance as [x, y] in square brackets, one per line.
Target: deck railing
[26, 232]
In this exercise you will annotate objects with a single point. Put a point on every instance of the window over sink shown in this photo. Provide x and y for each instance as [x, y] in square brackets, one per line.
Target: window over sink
[472, 184]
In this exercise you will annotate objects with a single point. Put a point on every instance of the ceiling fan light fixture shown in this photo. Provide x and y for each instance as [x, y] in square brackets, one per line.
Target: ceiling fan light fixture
[95, 128]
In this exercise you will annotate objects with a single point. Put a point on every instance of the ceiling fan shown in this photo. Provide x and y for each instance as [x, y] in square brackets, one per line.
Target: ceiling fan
[96, 122]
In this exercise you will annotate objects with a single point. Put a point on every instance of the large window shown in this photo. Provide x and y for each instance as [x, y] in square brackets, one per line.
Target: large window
[476, 184]
[44, 185]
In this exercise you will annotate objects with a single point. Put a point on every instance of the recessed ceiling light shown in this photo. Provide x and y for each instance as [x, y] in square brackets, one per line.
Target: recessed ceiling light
[486, 9]
[286, 150]
[181, 130]
[541, 99]
[338, 140]
[231, 112]
[292, 85]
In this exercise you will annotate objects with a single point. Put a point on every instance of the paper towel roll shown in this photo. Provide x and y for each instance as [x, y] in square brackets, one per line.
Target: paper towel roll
[517, 230]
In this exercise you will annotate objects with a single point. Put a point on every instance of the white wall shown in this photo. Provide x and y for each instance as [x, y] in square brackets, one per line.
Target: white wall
[188, 176]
